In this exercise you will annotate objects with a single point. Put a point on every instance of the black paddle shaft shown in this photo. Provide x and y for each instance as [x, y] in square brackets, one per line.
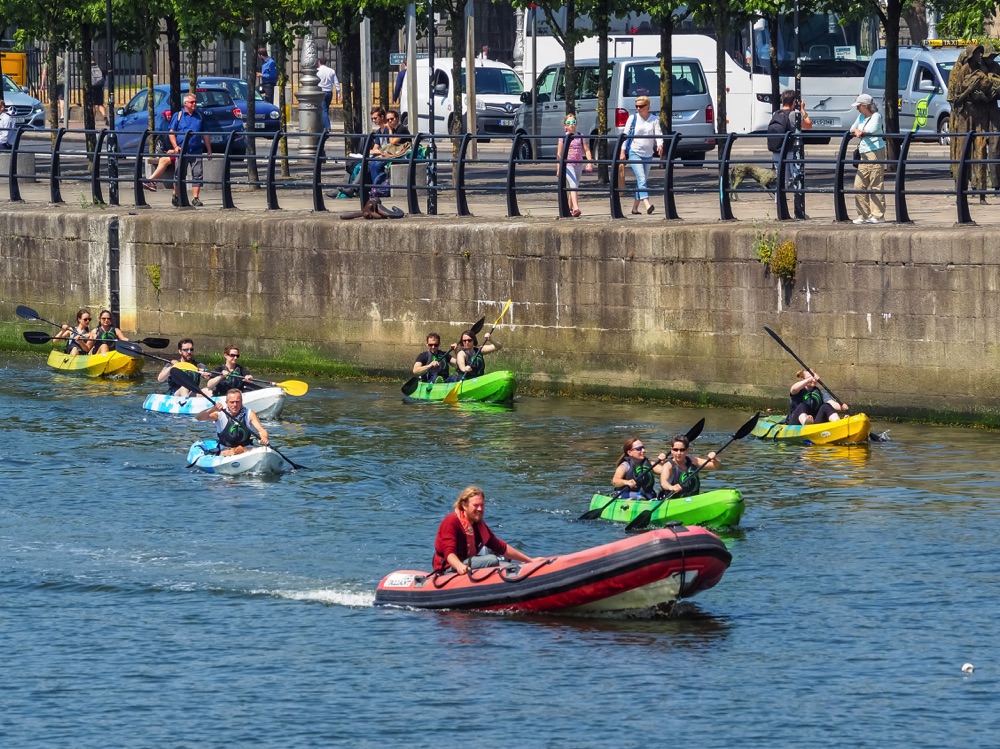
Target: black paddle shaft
[805, 366]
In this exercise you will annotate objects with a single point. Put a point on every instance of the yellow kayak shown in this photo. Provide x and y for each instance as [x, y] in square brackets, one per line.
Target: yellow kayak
[850, 431]
[111, 364]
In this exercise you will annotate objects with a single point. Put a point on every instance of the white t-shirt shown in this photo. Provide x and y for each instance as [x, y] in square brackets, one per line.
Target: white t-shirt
[642, 146]
[6, 129]
[327, 78]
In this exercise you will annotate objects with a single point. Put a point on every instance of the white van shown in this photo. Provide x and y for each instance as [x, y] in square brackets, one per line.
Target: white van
[498, 95]
[630, 77]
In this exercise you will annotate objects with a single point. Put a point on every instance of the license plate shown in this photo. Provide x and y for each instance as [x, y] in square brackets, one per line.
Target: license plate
[20, 120]
[259, 125]
[825, 121]
[506, 123]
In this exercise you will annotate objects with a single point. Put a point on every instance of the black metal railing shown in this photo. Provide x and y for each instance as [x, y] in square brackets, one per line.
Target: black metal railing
[438, 170]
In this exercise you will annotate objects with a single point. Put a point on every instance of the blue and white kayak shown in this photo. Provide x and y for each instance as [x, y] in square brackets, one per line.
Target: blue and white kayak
[257, 459]
[267, 403]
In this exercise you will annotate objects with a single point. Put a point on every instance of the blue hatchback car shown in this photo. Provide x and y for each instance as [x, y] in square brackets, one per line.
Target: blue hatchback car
[267, 117]
[221, 114]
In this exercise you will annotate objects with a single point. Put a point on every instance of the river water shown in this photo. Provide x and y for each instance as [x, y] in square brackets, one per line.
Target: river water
[145, 605]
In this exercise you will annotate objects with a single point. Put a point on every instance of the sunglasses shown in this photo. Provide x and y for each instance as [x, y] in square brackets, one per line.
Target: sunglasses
[233, 356]
[466, 340]
[570, 122]
[433, 345]
[105, 319]
[639, 448]
[84, 319]
[391, 119]
[187, 350]
[678, 449]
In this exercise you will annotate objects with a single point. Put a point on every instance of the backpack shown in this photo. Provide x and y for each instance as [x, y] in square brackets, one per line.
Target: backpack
[776, 129]
[96, 75]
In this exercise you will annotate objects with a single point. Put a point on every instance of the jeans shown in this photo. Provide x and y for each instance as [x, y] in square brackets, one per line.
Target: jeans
[640, 167]
[327, 101]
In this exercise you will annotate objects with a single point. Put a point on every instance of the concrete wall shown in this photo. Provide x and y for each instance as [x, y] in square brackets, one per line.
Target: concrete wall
[896, 317]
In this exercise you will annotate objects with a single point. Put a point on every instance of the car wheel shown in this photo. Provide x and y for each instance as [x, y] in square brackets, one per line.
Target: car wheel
[524, 151]
[944, 128]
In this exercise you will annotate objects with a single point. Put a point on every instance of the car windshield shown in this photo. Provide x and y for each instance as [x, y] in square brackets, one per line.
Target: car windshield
[9, 85]
[945, 68]
[236, 87]
[496, 81]
[214, 98]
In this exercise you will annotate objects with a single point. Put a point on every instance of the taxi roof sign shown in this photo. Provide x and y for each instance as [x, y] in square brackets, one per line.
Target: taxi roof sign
[949, 42]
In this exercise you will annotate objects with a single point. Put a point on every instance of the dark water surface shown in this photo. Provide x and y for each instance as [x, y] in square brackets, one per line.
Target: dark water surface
[144, 605]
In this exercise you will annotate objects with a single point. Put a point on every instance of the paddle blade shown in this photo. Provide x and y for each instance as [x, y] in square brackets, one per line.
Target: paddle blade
[744, 430]
[129, 348]
[452, 396]
[293, 387]
[410, 386]
[642, 519]
[478, 325]
[186, 366]
[157, 343]
[596, 512]
[502, 313]
[694, 432]
[32, 336]
[26, 313]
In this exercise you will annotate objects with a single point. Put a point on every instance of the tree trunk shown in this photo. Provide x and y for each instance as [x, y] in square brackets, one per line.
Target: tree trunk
[772, 51]
[602, 26]
[174, 60]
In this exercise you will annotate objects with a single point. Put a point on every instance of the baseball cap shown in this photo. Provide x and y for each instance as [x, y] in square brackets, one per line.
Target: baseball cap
[863, 99]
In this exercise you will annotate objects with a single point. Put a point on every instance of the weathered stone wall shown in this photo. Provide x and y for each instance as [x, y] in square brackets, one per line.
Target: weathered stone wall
[897, 317]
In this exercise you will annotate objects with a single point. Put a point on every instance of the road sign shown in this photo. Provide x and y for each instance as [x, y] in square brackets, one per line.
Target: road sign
[395, 58]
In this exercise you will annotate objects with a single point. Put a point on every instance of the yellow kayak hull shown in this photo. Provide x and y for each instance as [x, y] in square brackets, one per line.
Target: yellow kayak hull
[853, 430]
[111, 364]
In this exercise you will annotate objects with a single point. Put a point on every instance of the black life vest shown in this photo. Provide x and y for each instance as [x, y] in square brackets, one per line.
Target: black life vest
[642, 472]
[686, 477]
[432, 374]
[232, 380]
[478, 363]
[238, 430]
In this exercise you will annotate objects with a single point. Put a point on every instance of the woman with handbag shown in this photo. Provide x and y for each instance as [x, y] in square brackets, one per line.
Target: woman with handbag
[638, 150]
[870, 155]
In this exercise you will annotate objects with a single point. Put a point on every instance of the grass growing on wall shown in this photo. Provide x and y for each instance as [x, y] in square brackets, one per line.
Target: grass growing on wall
[12, 340]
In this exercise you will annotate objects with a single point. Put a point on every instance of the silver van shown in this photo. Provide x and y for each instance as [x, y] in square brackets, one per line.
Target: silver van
[693, 110]
[923, 86]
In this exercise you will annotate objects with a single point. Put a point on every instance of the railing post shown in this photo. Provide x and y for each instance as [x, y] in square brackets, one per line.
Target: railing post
[411, 178]
[669, 203]
[616, 192]
[181, 168]
[15, 188]
[272, 185]
[319, 205]
[962, 182]
[95, 176]
[55, 193]
[902, 214]
[512, 207]
[226, 186]
[138, 198]
[562, 196]
[839, 200]
[780, 192]
[364, 187]
[460, 199]
[725, 204]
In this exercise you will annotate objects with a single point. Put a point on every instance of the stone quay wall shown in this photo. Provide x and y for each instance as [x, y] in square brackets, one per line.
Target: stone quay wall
[897, 320]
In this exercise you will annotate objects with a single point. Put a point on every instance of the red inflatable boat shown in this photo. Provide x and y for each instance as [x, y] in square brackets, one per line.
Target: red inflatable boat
[638, 572]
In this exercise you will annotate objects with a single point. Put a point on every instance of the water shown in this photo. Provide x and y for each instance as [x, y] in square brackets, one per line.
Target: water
[144, 605]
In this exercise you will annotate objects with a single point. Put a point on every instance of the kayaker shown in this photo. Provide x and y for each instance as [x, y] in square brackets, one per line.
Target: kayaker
[677, 477]
[463, 533]
[470, 360]
[180, 382]
[806, 404]
[235, 424]
[77, 332]
[432, 364]
[106, 333]
[635, 476]
[234, 374]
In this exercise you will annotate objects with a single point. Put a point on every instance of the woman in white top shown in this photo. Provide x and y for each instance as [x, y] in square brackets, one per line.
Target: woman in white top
[640, 150]
[868, 182]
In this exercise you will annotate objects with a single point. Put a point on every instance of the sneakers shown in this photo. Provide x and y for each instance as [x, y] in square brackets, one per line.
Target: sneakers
[175, 201]
[874, 220]
[861, 221]
[151, 186]
[197, 203]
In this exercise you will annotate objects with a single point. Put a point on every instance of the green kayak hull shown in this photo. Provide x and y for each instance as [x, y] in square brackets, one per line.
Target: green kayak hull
[492, 387]
[721, 508]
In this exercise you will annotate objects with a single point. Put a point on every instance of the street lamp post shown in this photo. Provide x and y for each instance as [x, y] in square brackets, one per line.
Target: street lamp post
[799, 201]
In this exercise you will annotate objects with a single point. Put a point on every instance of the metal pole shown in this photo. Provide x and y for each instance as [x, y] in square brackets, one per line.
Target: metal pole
[366, 66]
[410, 80]
[470, 74]
[432, 145]
[534, 76]
[800, 174]
[112, 139]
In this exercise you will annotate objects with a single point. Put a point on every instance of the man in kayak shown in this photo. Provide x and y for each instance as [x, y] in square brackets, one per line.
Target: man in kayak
[635, 476]
[678, 478]
[76, 334]
[433, 363]
[105, 334]
[235, 424]
[183, 383]
[805, 402]
[234, 374]
[463, 533]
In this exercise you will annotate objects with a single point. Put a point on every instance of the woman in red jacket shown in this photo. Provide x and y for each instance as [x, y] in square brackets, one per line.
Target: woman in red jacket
[463, 533]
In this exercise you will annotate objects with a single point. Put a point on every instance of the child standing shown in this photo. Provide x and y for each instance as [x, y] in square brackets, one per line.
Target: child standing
[576, 150]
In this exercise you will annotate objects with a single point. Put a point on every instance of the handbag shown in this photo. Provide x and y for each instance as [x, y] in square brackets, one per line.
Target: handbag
[631, 132]
[856, 156]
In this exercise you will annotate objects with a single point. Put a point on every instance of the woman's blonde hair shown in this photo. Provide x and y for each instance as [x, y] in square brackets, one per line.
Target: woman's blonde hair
[468, 493]
[640, 100]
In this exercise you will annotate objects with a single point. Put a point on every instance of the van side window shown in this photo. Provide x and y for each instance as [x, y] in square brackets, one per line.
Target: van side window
[642, 80]
[687, 79]
[586, 83]
[876, 76]
[924, 76]
[546, 85]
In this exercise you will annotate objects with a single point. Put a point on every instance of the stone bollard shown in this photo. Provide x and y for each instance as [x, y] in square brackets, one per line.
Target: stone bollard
[399, 173]
[25, 166]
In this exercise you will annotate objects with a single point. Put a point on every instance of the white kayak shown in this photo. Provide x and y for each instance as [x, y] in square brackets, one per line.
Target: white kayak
[267, 403]
[257, 459]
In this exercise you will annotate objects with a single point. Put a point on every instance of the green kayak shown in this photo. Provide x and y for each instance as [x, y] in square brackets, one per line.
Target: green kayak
[492, 387]
[717, 509]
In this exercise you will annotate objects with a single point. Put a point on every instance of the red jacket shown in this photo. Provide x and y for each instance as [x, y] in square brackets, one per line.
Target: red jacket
[451, 538]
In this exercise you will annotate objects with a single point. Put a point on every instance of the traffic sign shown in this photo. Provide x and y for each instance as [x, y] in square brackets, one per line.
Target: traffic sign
[395, 58]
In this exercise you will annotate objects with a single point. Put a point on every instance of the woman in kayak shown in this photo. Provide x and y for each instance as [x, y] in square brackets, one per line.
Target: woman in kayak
[105, 334]
[463, 533]
[234, 374]
[805, 403]
[76, 333]
[634, 477]
[678, 477]
[469, 361]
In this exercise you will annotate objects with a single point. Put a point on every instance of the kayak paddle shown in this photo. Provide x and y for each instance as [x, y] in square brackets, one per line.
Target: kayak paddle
[36, 337]
[643, 518]
[27, 313]
[692, 435]
[292, 387]
[452, 396]
[411, 385]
